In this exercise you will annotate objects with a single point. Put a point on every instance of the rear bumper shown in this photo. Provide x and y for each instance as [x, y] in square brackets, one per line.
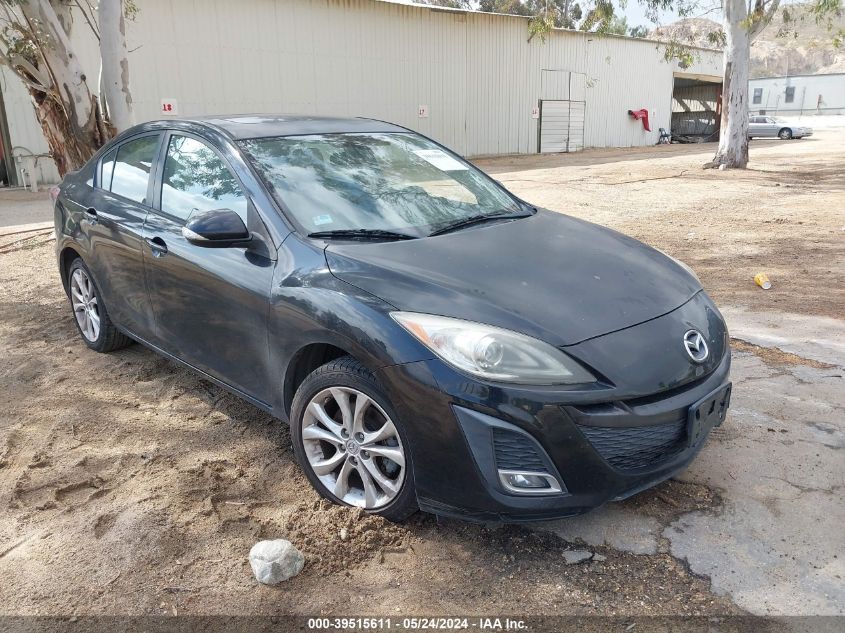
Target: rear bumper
[584, 445]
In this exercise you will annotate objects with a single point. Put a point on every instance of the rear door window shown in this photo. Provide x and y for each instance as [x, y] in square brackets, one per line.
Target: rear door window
[131, 175]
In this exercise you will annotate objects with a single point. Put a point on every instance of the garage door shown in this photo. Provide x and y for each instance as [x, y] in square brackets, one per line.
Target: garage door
[561, 126]
[576, 126]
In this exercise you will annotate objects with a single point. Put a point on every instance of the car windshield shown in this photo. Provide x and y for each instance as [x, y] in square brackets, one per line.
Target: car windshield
[398, 182]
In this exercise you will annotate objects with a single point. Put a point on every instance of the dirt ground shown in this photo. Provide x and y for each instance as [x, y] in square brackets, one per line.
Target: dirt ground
[130, 486]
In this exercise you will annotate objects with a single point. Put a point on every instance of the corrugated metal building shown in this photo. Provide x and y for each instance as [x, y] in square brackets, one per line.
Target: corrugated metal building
[798, 94]
[469, 80]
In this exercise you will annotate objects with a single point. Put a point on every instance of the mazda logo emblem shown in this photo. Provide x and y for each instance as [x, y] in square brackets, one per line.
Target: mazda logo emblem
[696, 346]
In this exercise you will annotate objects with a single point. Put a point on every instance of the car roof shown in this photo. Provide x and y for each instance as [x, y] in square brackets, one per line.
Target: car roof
[249, 126]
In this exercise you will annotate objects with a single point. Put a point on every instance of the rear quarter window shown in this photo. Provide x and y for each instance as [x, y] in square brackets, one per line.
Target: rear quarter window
[107, 169]
[130, 176]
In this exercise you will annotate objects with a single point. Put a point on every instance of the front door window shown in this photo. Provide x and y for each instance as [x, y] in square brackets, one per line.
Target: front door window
[196, 179]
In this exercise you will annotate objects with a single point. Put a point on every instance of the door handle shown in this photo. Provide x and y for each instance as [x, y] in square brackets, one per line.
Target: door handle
[157, 246]
[91, 215]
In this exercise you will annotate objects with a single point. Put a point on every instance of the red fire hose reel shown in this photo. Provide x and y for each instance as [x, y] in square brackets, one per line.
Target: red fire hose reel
[641, 115]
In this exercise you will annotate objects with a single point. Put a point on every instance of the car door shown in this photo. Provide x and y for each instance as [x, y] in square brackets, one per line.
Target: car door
[770, 127]
[115, 211]
[211, 305]
[754, 127]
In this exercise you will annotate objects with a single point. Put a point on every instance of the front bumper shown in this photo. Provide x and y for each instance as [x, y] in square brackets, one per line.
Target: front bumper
[600, 448]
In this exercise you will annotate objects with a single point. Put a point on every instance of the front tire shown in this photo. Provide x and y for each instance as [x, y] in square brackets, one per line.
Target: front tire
[350, 443]
[785, 134]
[90, 313]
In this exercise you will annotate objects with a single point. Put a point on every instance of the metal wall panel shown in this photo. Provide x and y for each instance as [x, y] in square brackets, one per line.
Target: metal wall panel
[577, 118]
[554, 127]
[476, 73]
[813, 95]
[24, 130]
[555, 84]
[578, 86]
[561, 126]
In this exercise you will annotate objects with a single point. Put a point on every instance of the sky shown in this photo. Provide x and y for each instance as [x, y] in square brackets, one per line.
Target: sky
[635, 12]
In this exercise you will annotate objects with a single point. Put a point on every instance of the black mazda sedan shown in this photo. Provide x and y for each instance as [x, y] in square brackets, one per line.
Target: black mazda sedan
[434, 341]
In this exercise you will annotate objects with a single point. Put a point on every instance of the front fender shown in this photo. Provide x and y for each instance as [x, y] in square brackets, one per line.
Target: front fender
[306, 299]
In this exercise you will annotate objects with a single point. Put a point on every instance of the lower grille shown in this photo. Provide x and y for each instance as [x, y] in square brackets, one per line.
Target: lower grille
[514, 451]
[629, 448]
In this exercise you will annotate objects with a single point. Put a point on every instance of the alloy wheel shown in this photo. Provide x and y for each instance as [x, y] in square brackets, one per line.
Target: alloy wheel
[85, 305]
[353, 447]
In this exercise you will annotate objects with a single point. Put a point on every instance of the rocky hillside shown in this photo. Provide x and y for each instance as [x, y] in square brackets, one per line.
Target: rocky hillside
[802, 47]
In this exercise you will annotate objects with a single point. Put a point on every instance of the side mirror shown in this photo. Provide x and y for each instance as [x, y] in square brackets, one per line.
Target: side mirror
[216, 229]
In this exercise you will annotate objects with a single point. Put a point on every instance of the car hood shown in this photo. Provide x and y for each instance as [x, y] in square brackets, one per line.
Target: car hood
[549, 275]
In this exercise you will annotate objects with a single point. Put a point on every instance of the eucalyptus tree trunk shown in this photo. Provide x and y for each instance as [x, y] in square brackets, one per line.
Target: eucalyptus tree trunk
[741, 23]
[64, 106]
[733, 139]
[115, 60]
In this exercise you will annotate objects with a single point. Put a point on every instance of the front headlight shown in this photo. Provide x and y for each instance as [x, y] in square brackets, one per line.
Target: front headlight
[493, 353]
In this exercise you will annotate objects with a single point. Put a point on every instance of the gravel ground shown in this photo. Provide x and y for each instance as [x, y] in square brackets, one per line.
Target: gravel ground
[130, 486]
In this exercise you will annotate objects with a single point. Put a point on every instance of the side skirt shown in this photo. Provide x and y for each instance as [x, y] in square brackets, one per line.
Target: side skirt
[233, 390]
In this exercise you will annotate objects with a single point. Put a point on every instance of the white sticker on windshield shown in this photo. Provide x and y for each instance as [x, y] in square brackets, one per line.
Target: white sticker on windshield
[440, 159]
[320, 220]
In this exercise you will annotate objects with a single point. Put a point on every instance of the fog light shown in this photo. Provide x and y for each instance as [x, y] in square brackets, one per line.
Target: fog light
[528, 482]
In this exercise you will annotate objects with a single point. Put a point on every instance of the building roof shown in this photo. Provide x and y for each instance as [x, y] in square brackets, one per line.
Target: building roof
[815, 75]
[245, 126]
[493, 14]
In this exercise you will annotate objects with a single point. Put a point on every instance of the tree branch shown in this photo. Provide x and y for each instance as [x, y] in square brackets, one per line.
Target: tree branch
[761, 17]
[38, 46]
[93, 26]
[38, 79]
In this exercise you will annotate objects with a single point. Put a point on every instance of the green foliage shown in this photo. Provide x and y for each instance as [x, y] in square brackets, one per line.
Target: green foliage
[18, 44]
[510, 7]
[617, 25]
[825, 14]
[685, 54]
[599, 18]
[717, 39]
[540, 25]
[549, 14]
[825, 10]
[682, 8]
[130, 10]
[21, 44]
[638, 31]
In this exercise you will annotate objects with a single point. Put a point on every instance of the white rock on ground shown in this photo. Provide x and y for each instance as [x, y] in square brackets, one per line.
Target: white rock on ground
[574, 556]
[275, 561]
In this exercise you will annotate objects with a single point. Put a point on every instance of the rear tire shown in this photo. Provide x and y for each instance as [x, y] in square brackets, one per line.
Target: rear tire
[350, 442]
[785, 134]
[90, 313]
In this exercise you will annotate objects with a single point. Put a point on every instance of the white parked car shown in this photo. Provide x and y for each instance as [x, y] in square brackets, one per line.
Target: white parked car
[771, 127]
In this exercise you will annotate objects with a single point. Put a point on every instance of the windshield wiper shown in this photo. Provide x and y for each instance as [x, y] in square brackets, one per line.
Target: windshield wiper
[476, 219]
[363, 234]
